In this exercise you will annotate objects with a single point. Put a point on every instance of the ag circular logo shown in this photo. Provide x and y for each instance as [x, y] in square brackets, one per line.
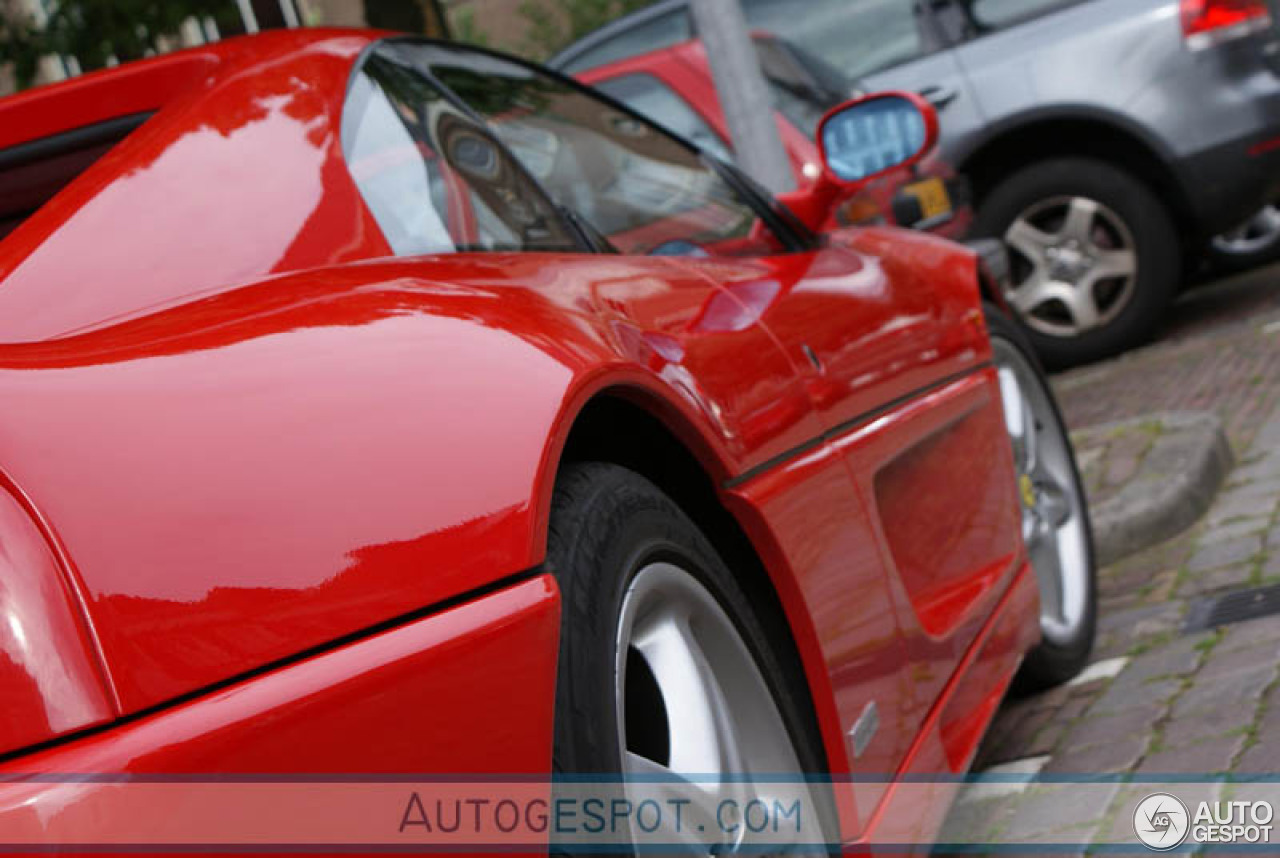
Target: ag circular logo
[1161, 821]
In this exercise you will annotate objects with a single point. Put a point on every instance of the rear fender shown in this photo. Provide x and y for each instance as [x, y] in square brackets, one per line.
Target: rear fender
[256, 483]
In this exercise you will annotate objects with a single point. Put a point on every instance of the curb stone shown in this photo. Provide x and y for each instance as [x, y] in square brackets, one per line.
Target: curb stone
[1176, 482]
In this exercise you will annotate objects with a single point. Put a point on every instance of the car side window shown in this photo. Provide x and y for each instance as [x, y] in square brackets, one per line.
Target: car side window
[858, 37]
[660, 32]
[970, 18]
[642, 189]
[645, 94]
[434, 180]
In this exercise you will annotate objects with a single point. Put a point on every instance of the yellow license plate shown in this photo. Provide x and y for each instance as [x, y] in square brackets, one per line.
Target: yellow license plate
[932, 196]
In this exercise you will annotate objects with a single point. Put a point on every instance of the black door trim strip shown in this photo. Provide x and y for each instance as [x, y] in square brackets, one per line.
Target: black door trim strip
[850, 425]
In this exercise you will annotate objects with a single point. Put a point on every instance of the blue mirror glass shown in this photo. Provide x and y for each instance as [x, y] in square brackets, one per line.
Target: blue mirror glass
[870, 137]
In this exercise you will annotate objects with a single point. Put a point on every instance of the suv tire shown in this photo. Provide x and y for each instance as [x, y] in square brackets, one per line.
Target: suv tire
[1095, 258]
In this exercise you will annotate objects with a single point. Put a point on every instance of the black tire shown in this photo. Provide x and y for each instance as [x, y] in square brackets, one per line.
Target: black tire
[607, 523]
[1147, 220]
[1051, 664]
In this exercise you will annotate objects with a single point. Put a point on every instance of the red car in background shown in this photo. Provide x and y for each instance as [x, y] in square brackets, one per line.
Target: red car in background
[674, 87]
[378, 409]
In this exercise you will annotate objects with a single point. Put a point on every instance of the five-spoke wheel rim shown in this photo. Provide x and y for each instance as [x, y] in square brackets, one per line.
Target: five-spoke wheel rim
[1075, 265]
[1053, 508]
[693, 704]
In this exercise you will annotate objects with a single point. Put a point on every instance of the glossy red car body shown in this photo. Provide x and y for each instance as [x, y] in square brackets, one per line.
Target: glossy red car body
[272, 500]
[684, 70]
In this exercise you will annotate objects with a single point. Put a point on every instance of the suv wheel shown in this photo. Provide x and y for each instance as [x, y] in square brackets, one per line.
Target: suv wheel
[1093, 253]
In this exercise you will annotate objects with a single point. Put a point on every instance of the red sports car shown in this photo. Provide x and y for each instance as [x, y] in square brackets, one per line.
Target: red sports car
[376, 407]
[674, 87]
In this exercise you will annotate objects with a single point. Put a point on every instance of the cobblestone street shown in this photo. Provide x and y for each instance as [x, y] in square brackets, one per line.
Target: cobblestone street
[1218, 353]
[1160, 696]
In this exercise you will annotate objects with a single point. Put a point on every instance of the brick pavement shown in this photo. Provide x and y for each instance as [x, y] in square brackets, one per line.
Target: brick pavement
[1217, 354]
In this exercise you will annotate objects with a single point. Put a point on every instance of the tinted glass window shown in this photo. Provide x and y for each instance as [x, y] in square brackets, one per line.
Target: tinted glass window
[434, 180]
[981, 16]
[646, 94]
[859, 37]
[660, 32]
[644, 190]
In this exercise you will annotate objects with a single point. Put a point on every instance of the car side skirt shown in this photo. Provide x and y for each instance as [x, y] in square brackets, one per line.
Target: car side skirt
[469, 688]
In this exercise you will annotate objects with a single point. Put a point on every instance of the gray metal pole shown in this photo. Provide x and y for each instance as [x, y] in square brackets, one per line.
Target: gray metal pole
[744, 95]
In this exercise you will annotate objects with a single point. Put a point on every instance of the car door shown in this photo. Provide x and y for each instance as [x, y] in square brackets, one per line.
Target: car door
[1020, 55]
[921, 430]
[941, 79]
[857, 338]
[882, 330]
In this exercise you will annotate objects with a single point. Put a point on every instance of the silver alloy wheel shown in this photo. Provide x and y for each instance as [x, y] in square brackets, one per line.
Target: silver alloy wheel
[1053, 507]
[1259, 233]
[683, 672]
[1075, 265]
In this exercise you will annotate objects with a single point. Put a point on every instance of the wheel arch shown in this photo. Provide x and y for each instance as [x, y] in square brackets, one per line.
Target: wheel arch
[1080, 131]
[623, 427]
[633, 427]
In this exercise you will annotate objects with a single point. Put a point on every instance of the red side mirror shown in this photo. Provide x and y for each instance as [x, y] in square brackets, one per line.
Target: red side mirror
[860, 141]
[863, 139]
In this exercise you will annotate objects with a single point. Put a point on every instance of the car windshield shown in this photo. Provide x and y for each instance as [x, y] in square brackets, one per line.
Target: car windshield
[644, 190]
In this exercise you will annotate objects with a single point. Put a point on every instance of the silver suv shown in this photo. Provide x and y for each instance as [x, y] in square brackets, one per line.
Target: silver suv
[1106, 140]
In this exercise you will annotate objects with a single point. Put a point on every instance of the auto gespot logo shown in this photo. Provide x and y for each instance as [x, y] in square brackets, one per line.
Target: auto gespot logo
[1162, 822]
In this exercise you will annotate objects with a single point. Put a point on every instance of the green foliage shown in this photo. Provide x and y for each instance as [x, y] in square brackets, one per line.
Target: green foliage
[552, 26]
[95, 30]
[19, 46]
[466, 30]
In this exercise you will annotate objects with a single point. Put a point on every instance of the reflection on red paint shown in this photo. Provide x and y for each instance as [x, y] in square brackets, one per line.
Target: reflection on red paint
[50, 680]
